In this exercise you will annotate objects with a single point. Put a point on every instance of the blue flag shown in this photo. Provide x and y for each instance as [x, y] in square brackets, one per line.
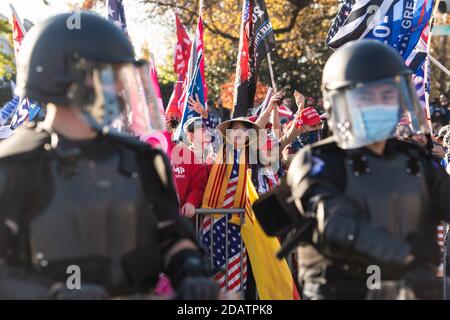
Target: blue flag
[397, 23]
[195, 88]
[26, 111]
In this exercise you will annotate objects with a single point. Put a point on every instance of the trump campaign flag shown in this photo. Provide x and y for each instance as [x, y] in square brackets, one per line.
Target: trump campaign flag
[26, 109]
[180, 66]
[256, 40]
[397, 23]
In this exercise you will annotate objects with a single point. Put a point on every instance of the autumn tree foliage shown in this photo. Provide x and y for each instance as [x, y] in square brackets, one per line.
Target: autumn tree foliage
[300, 28]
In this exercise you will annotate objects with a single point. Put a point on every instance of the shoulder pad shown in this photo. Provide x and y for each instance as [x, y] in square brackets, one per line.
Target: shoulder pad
[312, 160]
[159, 159]
[325, 145]
[412, 148]
[24, 140]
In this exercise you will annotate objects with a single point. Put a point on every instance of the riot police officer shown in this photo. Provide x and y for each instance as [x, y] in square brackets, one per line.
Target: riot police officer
[371, 200]
[76, 195]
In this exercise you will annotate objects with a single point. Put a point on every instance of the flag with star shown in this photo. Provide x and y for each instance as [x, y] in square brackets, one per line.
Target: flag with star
[116, 14]
[257, 39]
[195, 89]
[222, 234]
[397, 23]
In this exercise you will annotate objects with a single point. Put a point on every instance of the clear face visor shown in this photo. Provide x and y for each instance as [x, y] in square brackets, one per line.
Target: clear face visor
[125, 100]
[372, 112]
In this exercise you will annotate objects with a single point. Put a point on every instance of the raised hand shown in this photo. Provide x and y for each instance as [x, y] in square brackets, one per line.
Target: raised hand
[197, 106]
[299, 99]
[275, 99]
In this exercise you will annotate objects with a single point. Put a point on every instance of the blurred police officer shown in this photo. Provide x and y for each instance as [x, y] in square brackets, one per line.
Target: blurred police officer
[374, 200]
[78, 198]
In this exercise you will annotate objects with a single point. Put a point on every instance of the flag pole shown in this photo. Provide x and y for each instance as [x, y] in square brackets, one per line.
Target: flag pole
[272, 77]
[439, 65]
[427, 101]
[427, 81]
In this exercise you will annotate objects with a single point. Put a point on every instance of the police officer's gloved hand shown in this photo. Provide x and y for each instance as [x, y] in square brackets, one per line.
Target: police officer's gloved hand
[87, 292]
[197, 288]
[189, 275]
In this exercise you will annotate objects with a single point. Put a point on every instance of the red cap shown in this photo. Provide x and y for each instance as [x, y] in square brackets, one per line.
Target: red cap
[308, 116]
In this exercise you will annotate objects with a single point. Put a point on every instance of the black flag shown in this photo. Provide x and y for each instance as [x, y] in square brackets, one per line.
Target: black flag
[256, 40]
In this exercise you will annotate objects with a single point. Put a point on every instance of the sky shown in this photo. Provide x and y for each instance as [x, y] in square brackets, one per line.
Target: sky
[140, 28]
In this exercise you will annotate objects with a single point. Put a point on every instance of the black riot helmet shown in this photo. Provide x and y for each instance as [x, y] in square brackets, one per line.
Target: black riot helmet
[367, 91]
[82, 60]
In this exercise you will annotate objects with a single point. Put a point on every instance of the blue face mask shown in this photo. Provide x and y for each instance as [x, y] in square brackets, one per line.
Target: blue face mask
[375, 123]
[310, 137]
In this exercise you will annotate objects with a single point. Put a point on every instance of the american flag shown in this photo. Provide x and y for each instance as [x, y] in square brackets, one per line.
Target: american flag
[340, 19]
[116, 14]
[236, 256]
[442, 229]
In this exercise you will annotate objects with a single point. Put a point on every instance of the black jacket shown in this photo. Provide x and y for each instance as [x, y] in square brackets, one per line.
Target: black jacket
[26, 188]
[345, 241]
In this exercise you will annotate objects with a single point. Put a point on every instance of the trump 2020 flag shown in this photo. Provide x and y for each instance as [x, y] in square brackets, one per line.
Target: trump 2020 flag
[195, 89]
[256, 40]
[397, 23]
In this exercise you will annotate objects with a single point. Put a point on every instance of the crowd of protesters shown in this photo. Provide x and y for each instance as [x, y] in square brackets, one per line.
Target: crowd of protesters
[207, 140]
[206, 136]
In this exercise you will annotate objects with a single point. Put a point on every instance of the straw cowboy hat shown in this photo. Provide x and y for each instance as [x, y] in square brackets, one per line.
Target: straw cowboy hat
[227, 125]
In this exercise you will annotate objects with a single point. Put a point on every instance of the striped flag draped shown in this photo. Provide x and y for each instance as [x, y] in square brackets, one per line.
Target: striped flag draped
[226, 189]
